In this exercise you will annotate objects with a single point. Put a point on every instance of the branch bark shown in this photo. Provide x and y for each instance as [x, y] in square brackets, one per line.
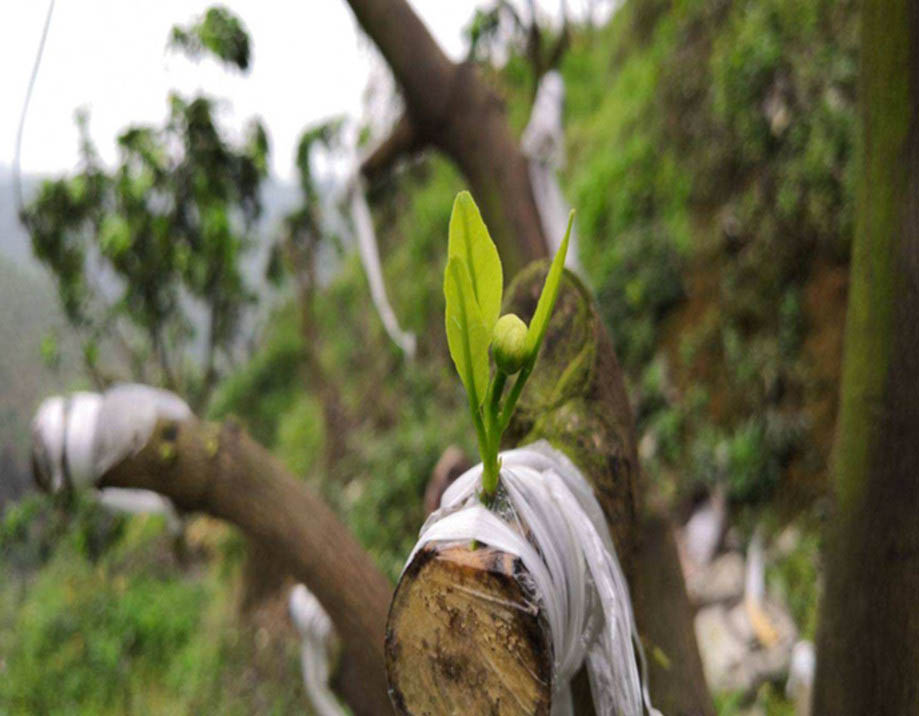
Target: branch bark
[868, 641]
[575, 399]
[401, 142]
[221, 471]
[450, 107]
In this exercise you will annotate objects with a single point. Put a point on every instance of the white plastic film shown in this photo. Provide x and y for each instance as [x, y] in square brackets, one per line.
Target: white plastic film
[77, 438]
[141, 502]
[316, 633]
[62, 434]
[543, 143]
[127, 418]
[370, 258]
[556, 527]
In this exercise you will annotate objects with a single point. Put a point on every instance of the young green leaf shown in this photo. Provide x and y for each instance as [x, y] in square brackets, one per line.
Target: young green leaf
[540, 322]
[471, 243]
[467, 336]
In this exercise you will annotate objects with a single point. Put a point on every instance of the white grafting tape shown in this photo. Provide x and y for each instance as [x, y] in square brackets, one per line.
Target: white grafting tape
[127, 417]
[543, 143]
[76, 439]
[316, 633]
[370, 258]
[141, 502]
[571, 559]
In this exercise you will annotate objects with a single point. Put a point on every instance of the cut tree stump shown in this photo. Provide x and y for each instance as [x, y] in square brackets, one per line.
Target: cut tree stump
[465, 635]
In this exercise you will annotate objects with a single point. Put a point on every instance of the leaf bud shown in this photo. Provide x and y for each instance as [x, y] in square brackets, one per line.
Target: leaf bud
[509, 343]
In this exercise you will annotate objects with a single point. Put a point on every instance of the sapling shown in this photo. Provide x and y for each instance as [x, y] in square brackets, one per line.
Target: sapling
[473, 284]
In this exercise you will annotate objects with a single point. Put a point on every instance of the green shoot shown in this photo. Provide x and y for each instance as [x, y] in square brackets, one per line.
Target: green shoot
[473, 285]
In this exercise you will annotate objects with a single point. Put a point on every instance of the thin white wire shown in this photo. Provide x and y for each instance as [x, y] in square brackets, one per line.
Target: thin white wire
[17, 170]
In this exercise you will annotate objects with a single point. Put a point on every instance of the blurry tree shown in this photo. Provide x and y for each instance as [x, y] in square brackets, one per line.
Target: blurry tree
[868, 658]
[139, 252]
[217, 32]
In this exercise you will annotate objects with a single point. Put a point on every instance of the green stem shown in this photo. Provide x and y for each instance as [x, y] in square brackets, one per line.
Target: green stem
[489, 452]
[512, 397]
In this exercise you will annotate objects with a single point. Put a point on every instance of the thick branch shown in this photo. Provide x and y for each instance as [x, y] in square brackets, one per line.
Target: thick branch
[451, 107]
[221, 471]
[402, 141]
[424, 72]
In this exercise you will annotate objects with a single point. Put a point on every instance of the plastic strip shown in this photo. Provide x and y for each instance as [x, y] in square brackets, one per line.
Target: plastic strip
[316, 633]
[370, 258]
[77, 439]
[543, 143]
[141, 502]
[555, 525]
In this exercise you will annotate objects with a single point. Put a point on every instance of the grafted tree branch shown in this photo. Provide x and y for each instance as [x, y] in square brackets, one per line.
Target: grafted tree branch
[222, 472]
[576, 400]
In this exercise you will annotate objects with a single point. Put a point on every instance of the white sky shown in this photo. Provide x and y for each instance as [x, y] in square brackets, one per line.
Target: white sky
[109, 56]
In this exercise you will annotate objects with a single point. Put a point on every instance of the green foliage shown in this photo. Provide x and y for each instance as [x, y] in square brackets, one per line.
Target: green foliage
[713, 179]
[259, 392]
[301, 435]
[218, 32]
[172, 219]
[470, 243]
[472, 289]
[97, 617]
[467, 334]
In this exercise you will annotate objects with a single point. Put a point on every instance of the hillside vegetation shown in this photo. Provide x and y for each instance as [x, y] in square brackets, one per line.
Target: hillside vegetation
[710, 147]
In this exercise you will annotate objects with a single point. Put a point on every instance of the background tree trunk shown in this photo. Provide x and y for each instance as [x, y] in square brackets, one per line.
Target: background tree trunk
[221, 471]
[450, 107]
[868, 650]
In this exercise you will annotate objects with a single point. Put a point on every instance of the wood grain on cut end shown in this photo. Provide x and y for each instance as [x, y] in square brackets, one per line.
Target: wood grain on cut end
[464, 637]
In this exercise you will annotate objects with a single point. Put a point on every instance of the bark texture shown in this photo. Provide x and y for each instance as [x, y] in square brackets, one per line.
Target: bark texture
[450, 107]
[576, 400]
[221, 471]
[868, 642]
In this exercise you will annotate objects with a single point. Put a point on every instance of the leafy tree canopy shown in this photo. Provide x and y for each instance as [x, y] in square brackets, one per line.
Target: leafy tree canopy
[141, 251]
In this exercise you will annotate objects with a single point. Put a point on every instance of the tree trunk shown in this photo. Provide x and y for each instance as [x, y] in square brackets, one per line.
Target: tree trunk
[450, 107]
[495, 657]
[868, 643]
[221, 471]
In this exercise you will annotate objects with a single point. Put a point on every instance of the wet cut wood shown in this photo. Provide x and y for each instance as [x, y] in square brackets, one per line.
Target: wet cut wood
[465, 637]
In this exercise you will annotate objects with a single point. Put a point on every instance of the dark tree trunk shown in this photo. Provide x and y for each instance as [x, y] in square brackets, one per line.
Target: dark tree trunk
[450, 107]
[868, 650]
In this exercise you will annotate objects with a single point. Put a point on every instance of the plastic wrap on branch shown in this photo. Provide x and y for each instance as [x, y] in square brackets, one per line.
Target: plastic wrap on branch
[76, 439]
[141, 502]
[801, 672]
[543, 143]
[316, 635]
[366, 240]
[554, 524]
